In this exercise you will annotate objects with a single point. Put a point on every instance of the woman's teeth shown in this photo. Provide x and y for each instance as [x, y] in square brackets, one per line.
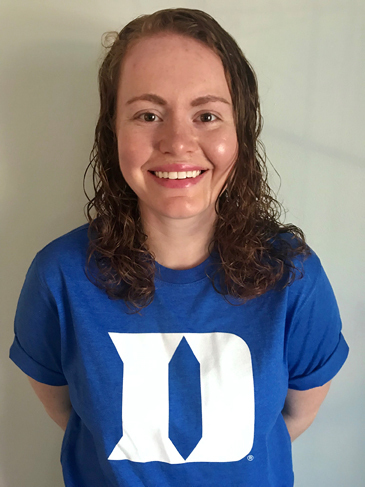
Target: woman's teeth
[177, 175]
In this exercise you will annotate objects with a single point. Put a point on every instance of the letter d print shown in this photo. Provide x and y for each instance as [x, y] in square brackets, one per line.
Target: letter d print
[187, 397]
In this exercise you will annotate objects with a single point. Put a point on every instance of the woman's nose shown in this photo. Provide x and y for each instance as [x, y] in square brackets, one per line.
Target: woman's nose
[177, 138]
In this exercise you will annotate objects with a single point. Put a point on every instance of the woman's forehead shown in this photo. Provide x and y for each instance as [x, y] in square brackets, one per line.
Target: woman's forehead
[169, 42]
[169, 61]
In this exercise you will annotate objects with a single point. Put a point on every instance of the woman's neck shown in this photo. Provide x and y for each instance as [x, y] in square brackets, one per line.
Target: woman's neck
[179, 243]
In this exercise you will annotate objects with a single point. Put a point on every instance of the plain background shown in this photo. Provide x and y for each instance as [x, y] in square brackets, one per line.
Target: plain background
[308, 56]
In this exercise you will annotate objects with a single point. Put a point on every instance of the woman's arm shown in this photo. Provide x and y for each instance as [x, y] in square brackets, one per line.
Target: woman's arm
[301, 407]
[56, 401]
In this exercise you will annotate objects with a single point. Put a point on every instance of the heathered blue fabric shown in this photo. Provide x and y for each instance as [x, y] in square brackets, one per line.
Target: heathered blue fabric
[62, 337]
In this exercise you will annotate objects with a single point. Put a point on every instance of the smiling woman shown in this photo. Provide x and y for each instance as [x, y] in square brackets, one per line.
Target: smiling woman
[206, 334]
[179, 83]
[162, 74]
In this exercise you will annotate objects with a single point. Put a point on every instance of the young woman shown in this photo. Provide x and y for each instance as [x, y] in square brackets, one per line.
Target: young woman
[184, 337]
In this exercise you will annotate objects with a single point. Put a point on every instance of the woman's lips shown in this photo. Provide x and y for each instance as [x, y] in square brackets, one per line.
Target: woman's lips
[177, 167]
[177, 183]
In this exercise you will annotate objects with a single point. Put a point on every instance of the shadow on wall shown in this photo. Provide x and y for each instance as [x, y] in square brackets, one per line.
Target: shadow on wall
[49, 103]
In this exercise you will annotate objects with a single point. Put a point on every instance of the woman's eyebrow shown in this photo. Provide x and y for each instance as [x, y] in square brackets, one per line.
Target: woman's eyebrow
[201, 100]
[148, 97]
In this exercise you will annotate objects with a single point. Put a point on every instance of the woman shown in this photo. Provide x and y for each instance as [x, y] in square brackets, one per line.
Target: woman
[204, 334]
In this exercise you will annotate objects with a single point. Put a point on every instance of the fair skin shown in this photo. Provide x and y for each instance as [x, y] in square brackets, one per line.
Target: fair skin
[56, 401]
[175, 115]
[175, 110]
[301, 407]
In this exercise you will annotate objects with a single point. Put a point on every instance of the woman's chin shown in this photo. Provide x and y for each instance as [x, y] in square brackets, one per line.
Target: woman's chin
[177, 208]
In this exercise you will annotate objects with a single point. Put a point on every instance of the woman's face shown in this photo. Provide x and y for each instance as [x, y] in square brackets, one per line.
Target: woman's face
[174, 120]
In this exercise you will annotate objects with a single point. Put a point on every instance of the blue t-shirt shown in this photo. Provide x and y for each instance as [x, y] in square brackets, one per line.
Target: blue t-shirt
[187, 393]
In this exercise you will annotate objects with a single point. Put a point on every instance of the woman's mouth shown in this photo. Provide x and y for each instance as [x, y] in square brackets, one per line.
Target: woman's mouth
[177, 175]
[177, 179]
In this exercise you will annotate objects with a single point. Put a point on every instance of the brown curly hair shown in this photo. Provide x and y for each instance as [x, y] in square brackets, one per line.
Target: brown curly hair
[254, 255]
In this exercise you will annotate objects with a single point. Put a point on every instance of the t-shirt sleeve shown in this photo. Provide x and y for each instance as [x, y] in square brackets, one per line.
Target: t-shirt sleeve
[316, 347]
[36, 349]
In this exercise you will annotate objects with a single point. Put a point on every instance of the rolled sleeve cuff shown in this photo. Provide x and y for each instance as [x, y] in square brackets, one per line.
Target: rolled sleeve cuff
[324, 374]
[33, 368]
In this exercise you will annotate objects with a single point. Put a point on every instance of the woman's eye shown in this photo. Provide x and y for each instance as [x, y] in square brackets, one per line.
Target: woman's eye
[148, 117]
[207, 117]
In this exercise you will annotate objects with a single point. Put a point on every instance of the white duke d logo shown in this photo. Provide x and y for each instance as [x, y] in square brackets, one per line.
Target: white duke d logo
[227, 397]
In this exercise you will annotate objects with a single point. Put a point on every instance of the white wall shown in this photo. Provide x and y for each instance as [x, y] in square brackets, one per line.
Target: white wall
[308, 56]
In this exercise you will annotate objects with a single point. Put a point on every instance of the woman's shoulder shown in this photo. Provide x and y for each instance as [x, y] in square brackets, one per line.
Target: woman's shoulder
[65, 252]
[309, 278]
[300, 259]
[293, 246]
[73, 240]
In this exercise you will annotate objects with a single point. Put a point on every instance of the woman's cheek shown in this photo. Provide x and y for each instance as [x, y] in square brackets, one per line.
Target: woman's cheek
[222, 150]
[130, 151]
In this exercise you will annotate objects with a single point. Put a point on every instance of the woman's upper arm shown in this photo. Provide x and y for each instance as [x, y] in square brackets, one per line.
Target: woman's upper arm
[305, 403]
[56, 401]
[301, 407]
[53, 398]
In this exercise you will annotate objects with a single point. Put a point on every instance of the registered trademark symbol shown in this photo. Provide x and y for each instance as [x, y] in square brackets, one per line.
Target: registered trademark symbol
[250, 458]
